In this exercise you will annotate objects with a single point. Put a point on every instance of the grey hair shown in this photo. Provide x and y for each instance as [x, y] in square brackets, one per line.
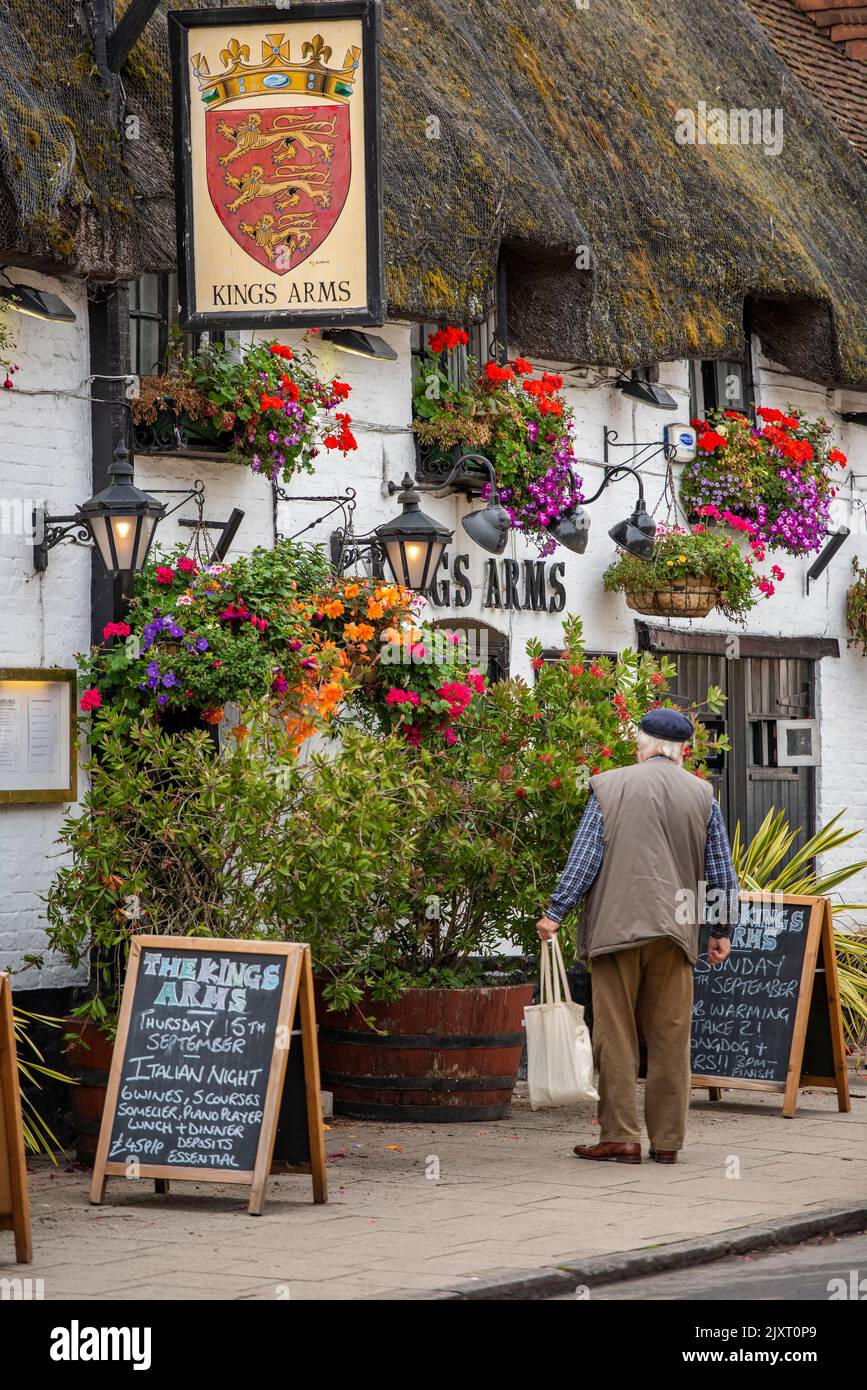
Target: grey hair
[658, 747]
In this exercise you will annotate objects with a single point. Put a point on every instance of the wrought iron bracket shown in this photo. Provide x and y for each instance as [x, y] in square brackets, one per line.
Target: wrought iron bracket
[347, 549]
[49, 531]
[639, 456]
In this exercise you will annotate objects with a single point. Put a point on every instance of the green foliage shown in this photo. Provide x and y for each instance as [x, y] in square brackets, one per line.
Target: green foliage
[38, 1137]
[757, 866]
[199, 638]
[267, 396]
[701, 553]
[522, 423]
[856, 609]
[172, 840]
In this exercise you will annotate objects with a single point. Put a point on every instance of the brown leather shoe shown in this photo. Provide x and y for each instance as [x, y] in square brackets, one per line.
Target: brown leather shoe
[664, 1155]
[610, 1153]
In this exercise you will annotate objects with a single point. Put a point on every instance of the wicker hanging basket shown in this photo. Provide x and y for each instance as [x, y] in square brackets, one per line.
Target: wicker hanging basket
[691, 597]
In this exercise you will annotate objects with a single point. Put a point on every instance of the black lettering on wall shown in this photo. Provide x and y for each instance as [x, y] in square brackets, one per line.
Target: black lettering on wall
[534, 586]
[440, 590]
[464, 589]
[558, 598]
[511, 571]
[493, 598]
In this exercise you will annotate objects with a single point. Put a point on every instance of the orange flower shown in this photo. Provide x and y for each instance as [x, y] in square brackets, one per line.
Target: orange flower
[374, 609]
[240, 732]
[391, 634]
[334, 609]
[352, 590]
[359, 632]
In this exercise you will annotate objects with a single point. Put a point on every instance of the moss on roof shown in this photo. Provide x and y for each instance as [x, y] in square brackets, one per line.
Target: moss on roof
[554, 131]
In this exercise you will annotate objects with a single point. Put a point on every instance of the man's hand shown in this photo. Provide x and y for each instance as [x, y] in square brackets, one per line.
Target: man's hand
[718, 948]
[546, 927]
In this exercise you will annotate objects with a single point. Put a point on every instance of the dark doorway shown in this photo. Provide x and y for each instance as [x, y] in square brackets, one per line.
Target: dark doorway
[486, 647]
[759, 691]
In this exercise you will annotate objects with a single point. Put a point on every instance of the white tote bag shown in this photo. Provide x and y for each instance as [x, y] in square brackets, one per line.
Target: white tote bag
[559, 1053]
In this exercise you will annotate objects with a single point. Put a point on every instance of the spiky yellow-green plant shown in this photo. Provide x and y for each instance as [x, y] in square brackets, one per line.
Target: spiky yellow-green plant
[757, 866]
[37, 1135]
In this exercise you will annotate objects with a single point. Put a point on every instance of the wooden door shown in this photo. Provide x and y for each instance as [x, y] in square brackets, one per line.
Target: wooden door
[759, 691]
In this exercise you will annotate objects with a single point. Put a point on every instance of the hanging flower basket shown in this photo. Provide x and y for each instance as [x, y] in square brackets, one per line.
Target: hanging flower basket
[688, 575]
[690, 597]
[434, 464]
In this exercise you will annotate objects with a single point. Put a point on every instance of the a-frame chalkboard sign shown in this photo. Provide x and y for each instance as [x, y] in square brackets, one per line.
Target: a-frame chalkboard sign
[769, 1017]
[197, 1089]
[14, 1199]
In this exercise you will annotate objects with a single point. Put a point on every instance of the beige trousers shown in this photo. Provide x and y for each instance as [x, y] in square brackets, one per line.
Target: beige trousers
[657, 978]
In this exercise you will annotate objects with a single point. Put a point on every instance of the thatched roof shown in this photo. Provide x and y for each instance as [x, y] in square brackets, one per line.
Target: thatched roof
[556, 131]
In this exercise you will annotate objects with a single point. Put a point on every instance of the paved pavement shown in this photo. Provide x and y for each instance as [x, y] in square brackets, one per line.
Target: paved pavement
[806, 1273]
[418, 1209]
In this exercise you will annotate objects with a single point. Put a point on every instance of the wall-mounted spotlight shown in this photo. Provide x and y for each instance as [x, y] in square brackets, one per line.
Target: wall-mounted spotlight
[489, 527]
[827, 553]
[38, 304]
[635, 534]
[573, 530]
[639, 387]
[359, 344]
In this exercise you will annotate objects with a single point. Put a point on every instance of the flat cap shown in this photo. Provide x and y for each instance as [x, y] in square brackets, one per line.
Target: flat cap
[667, 724]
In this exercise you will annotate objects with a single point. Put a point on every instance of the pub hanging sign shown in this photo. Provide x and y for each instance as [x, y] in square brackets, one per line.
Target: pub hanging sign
[277, 176]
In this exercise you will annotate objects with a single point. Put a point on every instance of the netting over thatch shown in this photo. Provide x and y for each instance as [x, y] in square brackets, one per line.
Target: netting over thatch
[541, 127]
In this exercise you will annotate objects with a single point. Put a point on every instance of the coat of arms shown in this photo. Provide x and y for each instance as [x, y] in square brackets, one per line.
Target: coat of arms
[278, 172]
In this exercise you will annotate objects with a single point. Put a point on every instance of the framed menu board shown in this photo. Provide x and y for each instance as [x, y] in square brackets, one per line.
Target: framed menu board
[37, 735]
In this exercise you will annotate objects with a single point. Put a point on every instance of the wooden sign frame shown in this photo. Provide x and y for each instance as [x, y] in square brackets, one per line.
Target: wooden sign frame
[67, 680]
[196, 316]
[819, 936]
[14, 1197]
[297, 992]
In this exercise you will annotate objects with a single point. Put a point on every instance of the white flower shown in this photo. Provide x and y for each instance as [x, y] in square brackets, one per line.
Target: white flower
[184, 601]
[216, 569]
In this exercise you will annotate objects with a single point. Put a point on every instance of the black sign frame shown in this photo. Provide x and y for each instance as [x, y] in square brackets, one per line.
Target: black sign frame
[192, 317]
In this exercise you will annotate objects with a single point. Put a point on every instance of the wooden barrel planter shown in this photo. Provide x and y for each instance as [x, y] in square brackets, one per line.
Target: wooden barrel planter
[691, 597]
[444, 1055]
[90, 1055]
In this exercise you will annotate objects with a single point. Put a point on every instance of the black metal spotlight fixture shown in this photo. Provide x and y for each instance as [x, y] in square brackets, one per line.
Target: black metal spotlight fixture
[489, 526]
[359, 344]
[37, 304]
[120, 520]
[413, 543]
[639, 387]
[573, 530]
[834, 540]
[635, 534]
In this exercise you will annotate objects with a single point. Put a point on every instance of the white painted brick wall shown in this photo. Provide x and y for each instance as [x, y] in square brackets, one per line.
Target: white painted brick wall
[44, 454]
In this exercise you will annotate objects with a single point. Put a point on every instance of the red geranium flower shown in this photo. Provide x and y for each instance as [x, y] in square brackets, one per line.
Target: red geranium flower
[710, 440]
[165, 574]
[494, 372]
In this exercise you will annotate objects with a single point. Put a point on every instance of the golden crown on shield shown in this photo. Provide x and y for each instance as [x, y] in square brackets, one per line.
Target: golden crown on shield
[276, 72]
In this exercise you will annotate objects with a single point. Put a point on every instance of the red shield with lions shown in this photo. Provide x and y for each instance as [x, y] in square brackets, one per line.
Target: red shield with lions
[278, 178]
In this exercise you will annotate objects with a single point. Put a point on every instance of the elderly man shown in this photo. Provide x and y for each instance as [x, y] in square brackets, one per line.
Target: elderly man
[651, 839]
